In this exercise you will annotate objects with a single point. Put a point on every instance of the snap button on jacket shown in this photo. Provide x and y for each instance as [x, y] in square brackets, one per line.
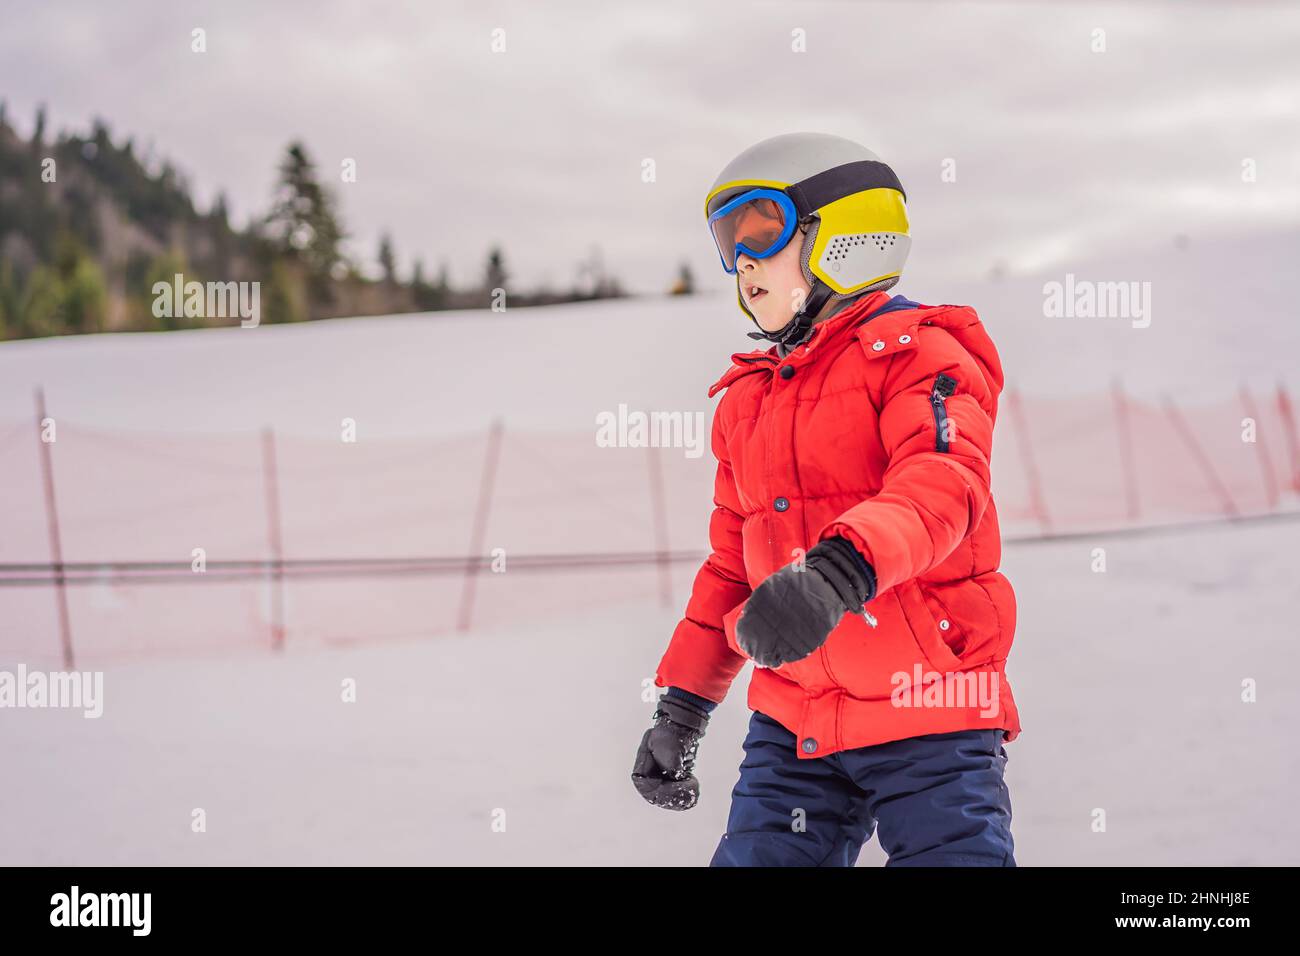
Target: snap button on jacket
[884, 437]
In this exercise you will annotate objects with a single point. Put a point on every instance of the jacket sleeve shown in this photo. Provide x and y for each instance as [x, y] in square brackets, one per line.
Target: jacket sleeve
[698, 658]
[936, 483]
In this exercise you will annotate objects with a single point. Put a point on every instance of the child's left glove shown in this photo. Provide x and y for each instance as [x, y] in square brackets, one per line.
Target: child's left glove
[792, 613]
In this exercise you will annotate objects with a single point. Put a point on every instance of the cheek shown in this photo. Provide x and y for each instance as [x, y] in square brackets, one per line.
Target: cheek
[789, 272]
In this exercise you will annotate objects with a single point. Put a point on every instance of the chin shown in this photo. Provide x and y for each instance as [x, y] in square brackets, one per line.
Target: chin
[764, 318]
[773, 325]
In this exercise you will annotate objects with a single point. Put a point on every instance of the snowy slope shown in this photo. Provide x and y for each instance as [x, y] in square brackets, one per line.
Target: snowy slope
[557, 367]
[1128, 681]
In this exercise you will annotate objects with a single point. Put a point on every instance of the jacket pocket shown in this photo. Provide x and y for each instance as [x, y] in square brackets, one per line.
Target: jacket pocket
[940, 392]
[925, 627]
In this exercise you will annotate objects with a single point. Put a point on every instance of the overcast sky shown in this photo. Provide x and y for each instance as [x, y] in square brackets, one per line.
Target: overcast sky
[1061, 152]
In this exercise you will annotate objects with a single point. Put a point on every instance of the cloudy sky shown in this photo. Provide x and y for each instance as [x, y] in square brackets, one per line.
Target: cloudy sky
[1062, 151]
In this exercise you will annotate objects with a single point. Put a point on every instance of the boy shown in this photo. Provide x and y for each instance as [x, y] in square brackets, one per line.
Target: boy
[855, 546]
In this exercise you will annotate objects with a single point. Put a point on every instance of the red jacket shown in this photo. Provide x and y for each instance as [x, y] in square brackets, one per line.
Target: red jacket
[878, 428]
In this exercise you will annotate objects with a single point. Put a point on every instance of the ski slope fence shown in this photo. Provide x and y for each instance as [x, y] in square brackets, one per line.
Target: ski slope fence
[118, 544]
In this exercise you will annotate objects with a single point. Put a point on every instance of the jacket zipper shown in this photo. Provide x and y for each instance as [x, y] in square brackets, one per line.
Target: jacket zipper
[944, 386]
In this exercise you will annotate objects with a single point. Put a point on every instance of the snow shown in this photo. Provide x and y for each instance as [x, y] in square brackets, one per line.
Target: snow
[557, 367]
[1129, 682]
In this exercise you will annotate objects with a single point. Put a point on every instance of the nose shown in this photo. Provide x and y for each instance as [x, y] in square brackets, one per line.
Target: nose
[744, 261]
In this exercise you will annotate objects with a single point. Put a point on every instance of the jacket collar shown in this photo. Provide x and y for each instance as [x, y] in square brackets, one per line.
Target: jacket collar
[743, 363]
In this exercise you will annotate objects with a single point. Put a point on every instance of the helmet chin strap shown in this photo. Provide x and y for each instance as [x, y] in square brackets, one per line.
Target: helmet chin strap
[793, 331]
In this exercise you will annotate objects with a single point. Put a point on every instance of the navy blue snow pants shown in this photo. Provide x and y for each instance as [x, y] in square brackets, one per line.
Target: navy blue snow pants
[938, 800]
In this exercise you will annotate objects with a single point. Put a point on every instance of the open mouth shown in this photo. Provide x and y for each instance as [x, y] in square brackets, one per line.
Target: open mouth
[753, 292]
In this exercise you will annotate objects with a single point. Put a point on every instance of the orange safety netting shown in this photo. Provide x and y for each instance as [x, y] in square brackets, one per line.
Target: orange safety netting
[308, 540]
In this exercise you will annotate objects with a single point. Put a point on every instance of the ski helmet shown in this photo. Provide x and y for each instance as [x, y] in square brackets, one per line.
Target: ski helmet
[852, 203]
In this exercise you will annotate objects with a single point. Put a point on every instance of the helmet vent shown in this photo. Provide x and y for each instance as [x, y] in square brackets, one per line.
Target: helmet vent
[840, 245]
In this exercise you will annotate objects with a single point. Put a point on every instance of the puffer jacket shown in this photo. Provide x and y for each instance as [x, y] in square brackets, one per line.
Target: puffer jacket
[877, 428]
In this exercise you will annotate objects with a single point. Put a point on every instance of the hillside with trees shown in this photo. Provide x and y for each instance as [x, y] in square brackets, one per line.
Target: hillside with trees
[88, 226]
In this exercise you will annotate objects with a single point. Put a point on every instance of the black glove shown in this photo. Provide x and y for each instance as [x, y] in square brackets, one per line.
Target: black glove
[666, 757]
[792, 613]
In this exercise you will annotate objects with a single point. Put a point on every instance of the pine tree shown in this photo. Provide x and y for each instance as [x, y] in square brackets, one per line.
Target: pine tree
[220, 209]
[387, 262]
[496, 270]
[303, 220]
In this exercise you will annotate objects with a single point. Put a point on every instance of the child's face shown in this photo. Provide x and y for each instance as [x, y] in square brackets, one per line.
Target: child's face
[780, 277]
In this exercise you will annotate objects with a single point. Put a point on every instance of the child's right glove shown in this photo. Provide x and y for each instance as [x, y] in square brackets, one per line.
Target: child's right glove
[792, 612]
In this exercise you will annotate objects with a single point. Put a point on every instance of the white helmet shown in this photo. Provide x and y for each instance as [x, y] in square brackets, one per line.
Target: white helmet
[853, 204]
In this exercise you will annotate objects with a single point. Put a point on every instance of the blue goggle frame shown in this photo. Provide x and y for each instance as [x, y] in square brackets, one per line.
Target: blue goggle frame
[791, 219]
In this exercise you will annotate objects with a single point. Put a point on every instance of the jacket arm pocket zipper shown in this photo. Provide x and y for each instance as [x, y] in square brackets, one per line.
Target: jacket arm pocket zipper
[944, 386]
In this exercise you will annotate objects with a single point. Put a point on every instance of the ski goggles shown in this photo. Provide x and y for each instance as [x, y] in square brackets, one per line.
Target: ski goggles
[758, 223]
